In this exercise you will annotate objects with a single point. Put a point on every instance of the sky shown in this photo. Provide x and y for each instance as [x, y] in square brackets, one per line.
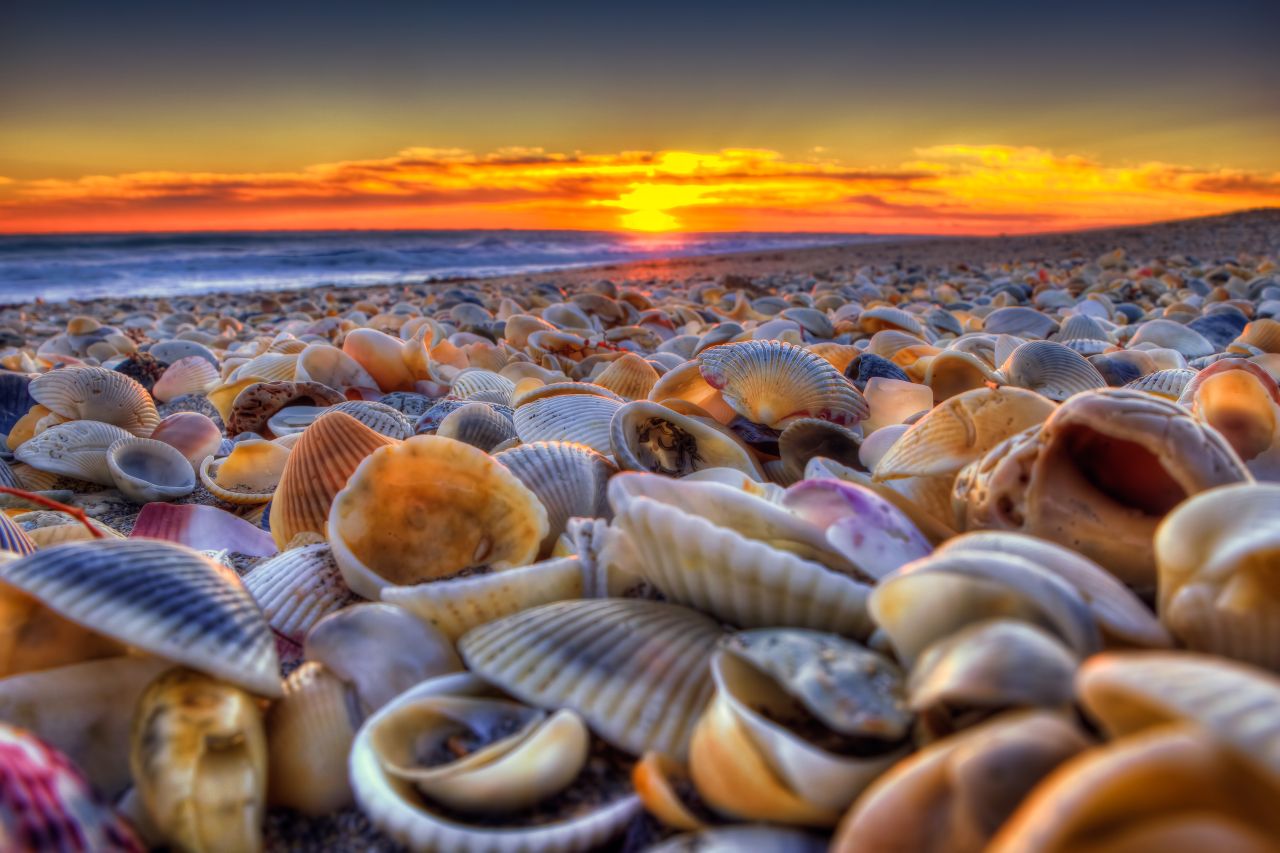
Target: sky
[976, 117]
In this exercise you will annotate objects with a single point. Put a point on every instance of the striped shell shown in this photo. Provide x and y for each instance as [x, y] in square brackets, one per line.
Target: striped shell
[1168, 334]
[309, 736]
[479, 425]
[160, 598]
[575, 418]
[378, 417]
[1020, 321]
[318, 468]
[13, 538]
[190, 375]
[1164, 383]
[569, 479]
[258, 402]
[75, 449]
[629, 376]
[1262, 334]
[1050, 369]
[297, 588]
[635, 670]
[770, 383]
[97, 394]
[474, 381]
[883, 318]
[268, 367]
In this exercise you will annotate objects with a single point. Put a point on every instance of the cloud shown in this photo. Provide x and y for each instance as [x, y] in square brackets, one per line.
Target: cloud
[946, 188]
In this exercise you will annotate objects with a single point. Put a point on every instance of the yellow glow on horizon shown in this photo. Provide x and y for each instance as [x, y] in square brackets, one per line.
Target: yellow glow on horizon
[649, 220]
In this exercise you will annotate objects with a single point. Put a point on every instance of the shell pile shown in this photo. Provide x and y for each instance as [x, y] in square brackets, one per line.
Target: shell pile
[951, 558]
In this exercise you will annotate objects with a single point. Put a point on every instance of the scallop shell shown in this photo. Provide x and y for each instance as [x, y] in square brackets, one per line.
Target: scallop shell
[378, 417]
[190, 375]
[257, 403]
[332, 368]
[1215, 554]
[145, 470]
[686, 385]
[75, 449]
[14, 539]
[318, 468]
[1261, 334]
[479, 425]
[297, 588]
[467, 384]
[646, 436]
[268, 367]
[163, 599]
[428, 508]
[309, 735]
[769, 382]
[1163, 383]
[630, 377]
[396, 807]
[568, 479]
[1081, 327]
[1050, 369]
[635, 670]
[248, 475]
[97, 394]
[576, 418]
[1020, 321]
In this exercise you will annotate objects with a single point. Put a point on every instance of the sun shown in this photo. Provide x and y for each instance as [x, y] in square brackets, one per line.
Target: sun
[649, 203]
[649, 220]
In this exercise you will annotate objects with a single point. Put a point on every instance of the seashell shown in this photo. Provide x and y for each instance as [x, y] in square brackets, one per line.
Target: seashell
[259, 402]
[934, 597]
[960, 430]
[75, 449]
[576, 418]
[954, 795]
[1168, 384]
[318, 468]
[224, 396]
[381, 356]
[1020, 321]
[873, 534]
[1242, 401]
[268, 367]
[1126, 456]
[377, 417]
[1050, 369]
[410, 405]
[46, 803]
[173, 351]
[479, 425]
[748, 757]
[15, 400]
[1171, 788]
[25, 428]
[1081, 327]
[398, 809]
[96, 394]
[13, 539]
[893, 402]
[428, 508]
[729, 839]
[686, 385]
[1214, 554]
[332, 368]
[193, 611]
[868, 366]
[952, 372]
[666, 790]
[635, 670]
[297, 588]
[568, 479]
[1168, 334]
[630, 377]
[646, 436]
[884, 317]
[248, 475]
[1261, 334]
[191, 434]
[204, 528]
[145, 470]
[934, 529]
[769, 383]
[309, 735]
[199, 760]
[293, 419]
[806, 438]
[190, 375]
[467, 384]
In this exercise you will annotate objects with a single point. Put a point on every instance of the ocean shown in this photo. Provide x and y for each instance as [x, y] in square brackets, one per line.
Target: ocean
[84, 266]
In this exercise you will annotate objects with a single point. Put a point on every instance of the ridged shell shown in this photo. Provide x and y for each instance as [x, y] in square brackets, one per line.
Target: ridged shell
[297, 588]
[97, 394]
[473, 381]
[770, 382]
[75, 449]
[163, 599]
[46, 804]
[13, 538]
[190, 375]
[1173, 335]
[175, 350]
[1262, 334]
[318, 468]
[1020, 321]
[569, 480]
[883, 317]
[637, 671]
[1081, 327]
[378, 417]
[1050, 369]
[739, 580]
[630, 377]
[953, 372]
[309, 736]
[268, 367]
[145, 470]
[575, 418]
[479, 425]
[1164, 383]
[428, 508]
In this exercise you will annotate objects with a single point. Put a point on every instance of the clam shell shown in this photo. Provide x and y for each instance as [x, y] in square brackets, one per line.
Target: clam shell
[807, 438]
[268, 367]
[332, 368]
[378, 417]
[1240, 400]
[469, 383]
[1262, 334]
[1168, 334]
[75, 449]
[635, 670]
[953, 372]
[1050, 369]
[893, 401]
[630, 377]
[395, 806]
[479, 425]
[145, 470]
[646, 436]
[13, 538]
[163, 599]
[1020, 321]
[568, 479]
[769, 382]
[205, 528]
[884, 317]
[309, 735]
[318, 467]
[576, 418]
[96, 394]
[297, 588]
[192, 434]
[190, 375]
[173, 351]
[248, 475]
[428, 508]
[1163, 383]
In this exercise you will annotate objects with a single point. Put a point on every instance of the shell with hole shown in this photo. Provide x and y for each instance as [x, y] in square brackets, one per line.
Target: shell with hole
[428, 508]
[1098, 476]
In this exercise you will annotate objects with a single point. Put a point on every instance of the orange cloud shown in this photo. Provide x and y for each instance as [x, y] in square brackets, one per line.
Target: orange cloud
[942, 189]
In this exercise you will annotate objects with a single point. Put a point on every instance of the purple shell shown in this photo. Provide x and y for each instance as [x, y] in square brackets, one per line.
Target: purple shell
[871, 532]
[204, 528]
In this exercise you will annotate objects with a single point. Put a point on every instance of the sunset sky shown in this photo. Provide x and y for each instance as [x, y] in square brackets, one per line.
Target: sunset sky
[975, 117]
